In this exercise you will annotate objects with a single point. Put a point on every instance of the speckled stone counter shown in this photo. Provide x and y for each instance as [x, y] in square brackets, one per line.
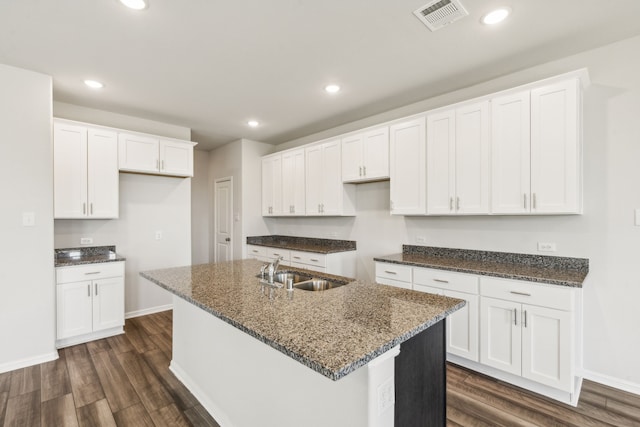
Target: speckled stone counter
[561, 271]
[65, 257]
[333, 332]
[306, 244]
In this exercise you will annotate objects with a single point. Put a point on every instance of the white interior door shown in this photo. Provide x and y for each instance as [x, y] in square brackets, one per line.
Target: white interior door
[223, 191]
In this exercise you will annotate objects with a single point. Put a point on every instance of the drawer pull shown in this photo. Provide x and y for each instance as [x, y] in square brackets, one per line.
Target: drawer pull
[296, 257]
[255, 251]
[390, 272]
[515, 316]
[314, 260]
[525, 318]
[521, 293]
[441, 280]
[92, 272]
[89, 291]
[275, 254]
[96, 289]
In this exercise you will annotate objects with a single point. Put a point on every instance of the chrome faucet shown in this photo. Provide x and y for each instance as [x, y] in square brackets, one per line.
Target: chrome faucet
[272, 268]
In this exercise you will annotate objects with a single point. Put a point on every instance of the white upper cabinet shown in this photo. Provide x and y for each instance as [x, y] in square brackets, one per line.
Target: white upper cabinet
[408, 167]
[365, 156]
[536, 151]
[272, 185]
[555, 149]
[85, 172]
[325, 192]
[154, 155]
[293, 182]
[511, 154]
[458, 160]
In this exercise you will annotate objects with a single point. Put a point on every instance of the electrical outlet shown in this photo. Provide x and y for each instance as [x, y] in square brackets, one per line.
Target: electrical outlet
[546, 247]
[386, 396]
[86, 240]
[28, 219]
[158, 235]
[421, 239]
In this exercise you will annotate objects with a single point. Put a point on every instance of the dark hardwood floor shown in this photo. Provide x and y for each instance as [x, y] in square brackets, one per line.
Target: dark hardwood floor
[125, 381]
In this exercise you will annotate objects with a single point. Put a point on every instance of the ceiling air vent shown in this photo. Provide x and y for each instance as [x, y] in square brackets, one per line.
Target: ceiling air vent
[438, 13]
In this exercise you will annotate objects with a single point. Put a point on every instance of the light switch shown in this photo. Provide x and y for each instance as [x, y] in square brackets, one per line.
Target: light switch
[637, 219]
[28, 219]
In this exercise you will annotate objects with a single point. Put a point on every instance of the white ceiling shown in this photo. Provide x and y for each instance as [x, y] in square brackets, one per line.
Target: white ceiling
[212, 65]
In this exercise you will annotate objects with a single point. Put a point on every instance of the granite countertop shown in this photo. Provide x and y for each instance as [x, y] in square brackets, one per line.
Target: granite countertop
[333, 332]
[65, 257]
[305, 244]
[561, 271]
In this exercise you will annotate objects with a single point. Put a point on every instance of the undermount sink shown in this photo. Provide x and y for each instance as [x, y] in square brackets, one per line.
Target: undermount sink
[281, 277]
[318, 285]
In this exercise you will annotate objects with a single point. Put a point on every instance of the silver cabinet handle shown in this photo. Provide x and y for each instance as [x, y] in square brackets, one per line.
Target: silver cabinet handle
[84, 209]
[457, 203]
[296, 257]
[314, 260]
[441, 280]
[255, 251]
[390, 272]
[364, 170]
[535, 202]
[520, 293]
[275, 254]
[89, 291]
[524, 196]
[157, 164]
[91, 272]
[515, 316]
[96, 288]
[525, 318]
[161, 164]
[450, 203]
[360, 171]
[91, 208]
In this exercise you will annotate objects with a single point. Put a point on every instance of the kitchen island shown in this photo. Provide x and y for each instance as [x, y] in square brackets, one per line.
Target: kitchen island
[255, 355]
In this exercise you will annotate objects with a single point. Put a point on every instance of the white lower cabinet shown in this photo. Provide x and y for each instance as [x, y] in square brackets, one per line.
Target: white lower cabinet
[524, 333]
[90, 302]
[338, 263]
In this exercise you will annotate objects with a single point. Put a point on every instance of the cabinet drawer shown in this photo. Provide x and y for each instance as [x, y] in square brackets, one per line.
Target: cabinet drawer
[274, 253]
[427, 289]
[79, 273]
[397, 272]
[391, 282]
[256, 251]
[552, 296]
[446, 280]
[310, 258]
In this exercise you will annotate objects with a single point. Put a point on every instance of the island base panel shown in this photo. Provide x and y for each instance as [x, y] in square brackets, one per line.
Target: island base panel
[420, 379]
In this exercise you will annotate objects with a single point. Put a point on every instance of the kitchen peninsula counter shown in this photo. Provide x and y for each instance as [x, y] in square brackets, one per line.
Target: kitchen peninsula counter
[333, 332]
[359, 355]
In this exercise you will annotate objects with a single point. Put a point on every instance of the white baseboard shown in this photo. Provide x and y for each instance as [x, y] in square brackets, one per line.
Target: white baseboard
[213, 409]
[607, 380]
[23, 363]
[144, 312]
[79, 339]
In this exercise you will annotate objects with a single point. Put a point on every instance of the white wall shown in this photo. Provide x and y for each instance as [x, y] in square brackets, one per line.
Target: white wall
[27, 284]
[200, 204]
[147, 204]
[605, 233]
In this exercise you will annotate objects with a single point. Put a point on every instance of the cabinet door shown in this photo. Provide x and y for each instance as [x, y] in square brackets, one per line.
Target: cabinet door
[332, 188]
[108, 303]
[547, 346]
[511, 154]
[70, 171]
[407, 167]
[472, 159]
[73, 309]
[138, 153]
[352, 161]
[293, 187]
[102, 173]
[501, 337]
[176, 158]
[375, 154]
[313, 181]
[462, 327]
[272, 186]
[441, 184]
[555, 150]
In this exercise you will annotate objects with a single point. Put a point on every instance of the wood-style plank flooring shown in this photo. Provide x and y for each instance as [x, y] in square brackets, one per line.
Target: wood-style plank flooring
[125, 381]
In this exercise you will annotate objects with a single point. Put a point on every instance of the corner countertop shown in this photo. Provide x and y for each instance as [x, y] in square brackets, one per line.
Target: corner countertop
[333, 332]
[305, 244]
[66, 257]
[562, 271]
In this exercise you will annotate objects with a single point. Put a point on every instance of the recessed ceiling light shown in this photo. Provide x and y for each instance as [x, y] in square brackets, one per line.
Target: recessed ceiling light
[332, 88]
[135, 4]
[94, 84]
[496, 16]
[253, 123]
